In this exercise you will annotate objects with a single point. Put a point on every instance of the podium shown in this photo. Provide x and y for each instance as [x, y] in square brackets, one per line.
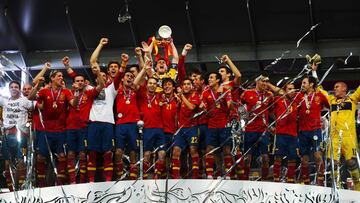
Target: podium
[181, 190]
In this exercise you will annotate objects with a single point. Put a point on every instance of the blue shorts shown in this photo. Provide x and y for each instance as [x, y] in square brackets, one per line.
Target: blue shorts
[75, 140]
[187, 137]
[286, 145]
[218, 137]
[310, 141]
[168, 140]
[11, 147]
[251, 140]
[100, 136]
[56, 142]
[126, 136]
[153, 138]
[203, 128]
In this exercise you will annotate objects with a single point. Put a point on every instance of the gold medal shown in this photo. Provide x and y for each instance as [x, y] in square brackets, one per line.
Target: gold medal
[307, 111]
[149, 105]
[218, 106]
[160, 103]
[54, 105]
[127, 102]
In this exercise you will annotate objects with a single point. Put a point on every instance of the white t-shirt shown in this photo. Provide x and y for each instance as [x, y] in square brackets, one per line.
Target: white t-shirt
[102, 108]
[15, 112]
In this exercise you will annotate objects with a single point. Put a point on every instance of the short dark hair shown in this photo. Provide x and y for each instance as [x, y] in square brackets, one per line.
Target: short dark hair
[311, 79]
[79, 75]
[166, 80]
[133, 65]
[112, 62]
[187, 78]
[228, 71]
[15, 82]
[218, 76]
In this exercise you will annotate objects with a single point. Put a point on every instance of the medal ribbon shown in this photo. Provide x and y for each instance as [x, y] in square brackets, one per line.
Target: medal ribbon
[57, 96]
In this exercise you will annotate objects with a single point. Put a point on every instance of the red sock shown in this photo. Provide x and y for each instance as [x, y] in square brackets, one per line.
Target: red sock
[9, 183]
[71, 170]
[146, 167]
[291, 171]
[195, 161]
[159, 168]
[21, 175]
[175, 168]
[40, 170]
[61, 167]
[82, 165]
[240, 167]
[209, 164]
[133, 171]
[305, 174]
[320, 174]
[91, 166]
[264, 172]
[119, 168]
[228, 163]
[108, 165]
[276, 170]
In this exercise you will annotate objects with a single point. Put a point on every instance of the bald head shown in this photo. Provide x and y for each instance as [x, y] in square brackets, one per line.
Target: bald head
[26, 89]
[340, 89]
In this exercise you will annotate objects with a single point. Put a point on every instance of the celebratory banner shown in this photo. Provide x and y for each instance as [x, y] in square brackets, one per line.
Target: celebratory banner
[184, 190]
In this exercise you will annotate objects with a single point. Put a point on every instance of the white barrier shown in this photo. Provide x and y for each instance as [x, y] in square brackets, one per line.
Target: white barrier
[180, 191]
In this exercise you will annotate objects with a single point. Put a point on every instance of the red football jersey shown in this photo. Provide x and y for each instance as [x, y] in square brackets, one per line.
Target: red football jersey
[169, 113]
[285, 112]
[127, 110]
[185, 114]
[54, 116]
[150, 108]
[78, 117]
[256, 105]
[310, 107]
[218, 114]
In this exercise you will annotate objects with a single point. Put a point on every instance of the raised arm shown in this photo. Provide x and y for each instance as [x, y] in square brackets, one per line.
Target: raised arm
[226, 59]
[175, 58]
[42, 72]
[124, 61]
[69, 70]
[137, 80]
[36, 88]
[95, 55]
[181, 66]
[100, 82]
[148, 50]
[139, 57]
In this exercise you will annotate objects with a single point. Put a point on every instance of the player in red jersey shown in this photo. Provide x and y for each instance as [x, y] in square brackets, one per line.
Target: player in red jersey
[311, 102]
[76, 125]
[218, 110]
[55, 100]
[149, 103]
[188, 133]
[286, 140]
[233, 85]
[256, 138]
[127, 116]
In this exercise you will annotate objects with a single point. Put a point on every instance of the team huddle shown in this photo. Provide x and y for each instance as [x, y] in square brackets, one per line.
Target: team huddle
[184, 120]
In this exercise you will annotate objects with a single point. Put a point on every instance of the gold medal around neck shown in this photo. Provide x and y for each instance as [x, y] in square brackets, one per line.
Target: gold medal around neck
[218, 106]
[127, 102]
[149, 105]
[160, 103]
[54, 105]
[307, 111]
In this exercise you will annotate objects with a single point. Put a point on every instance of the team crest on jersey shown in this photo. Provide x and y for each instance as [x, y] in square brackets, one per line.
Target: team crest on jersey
[48, 97]
[317, 99]
[251, 97]
[62, 96]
